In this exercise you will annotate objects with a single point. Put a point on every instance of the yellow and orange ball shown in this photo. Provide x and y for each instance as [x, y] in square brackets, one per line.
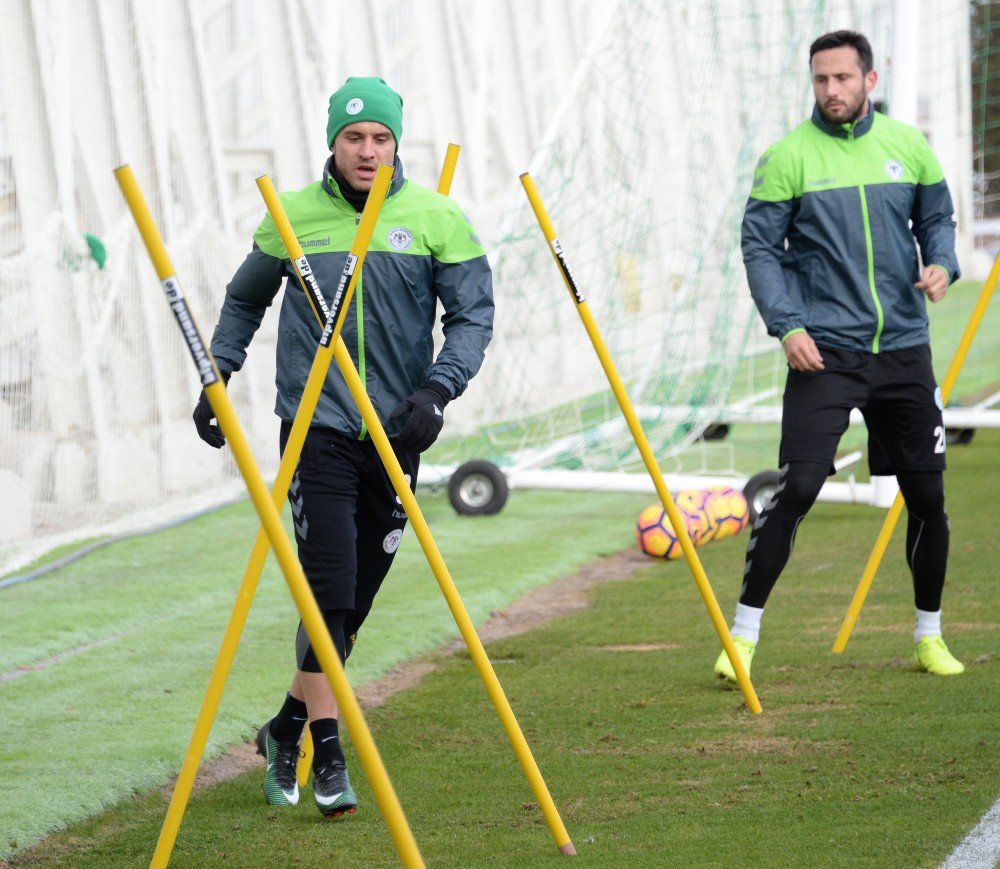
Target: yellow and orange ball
[707, 514]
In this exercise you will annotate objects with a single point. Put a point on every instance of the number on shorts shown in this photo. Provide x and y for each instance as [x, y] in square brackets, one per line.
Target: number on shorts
[939, 434]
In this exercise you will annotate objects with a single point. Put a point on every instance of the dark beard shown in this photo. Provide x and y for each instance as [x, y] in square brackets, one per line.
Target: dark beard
[857, 116]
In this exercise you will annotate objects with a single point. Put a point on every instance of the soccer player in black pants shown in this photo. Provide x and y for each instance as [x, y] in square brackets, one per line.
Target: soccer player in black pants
[828, 244]
[348, 520]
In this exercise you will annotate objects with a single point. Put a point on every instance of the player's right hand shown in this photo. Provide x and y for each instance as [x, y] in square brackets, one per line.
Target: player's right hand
[802, 352]
[203, 416]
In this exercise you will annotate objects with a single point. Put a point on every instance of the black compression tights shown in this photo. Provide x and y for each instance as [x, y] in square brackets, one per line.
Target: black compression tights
[773, 535]
[927, 535]
[304, 653]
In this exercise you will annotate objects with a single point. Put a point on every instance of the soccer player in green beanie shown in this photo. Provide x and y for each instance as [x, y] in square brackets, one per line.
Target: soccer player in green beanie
[348, 521]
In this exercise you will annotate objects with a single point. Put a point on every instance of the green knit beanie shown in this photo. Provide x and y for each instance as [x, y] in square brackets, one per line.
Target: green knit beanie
[365, 99]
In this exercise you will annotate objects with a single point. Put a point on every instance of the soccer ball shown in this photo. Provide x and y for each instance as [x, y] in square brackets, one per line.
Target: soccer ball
[728, 509]
[694, 503]
[655, 534]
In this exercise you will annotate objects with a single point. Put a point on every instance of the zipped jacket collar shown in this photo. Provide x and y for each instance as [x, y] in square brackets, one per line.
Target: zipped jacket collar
[843, 131]
[333, 189]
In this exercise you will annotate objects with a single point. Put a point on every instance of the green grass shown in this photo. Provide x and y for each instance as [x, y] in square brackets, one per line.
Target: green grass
[857, 760]
[111, 655]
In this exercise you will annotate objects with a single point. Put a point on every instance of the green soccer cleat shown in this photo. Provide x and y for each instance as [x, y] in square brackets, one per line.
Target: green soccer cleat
[932, 656]
[333, 792]
[745, 649]
[280, 786]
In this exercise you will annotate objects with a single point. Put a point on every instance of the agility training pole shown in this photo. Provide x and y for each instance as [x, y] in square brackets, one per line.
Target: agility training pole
[312, 619]
[255, 566]
[896, 510]
[431, 552]
[448, 169]
[642, 442]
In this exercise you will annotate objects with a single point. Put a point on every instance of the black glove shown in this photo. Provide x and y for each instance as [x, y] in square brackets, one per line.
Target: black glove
[203, 416]
[426, 409]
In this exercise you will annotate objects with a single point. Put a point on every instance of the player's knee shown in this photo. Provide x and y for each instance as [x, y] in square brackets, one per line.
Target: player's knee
[352, 624]
[305, 655]
[923, 493]
[800, 485]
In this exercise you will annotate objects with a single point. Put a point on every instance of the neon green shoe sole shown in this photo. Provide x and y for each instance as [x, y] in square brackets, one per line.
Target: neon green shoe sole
[931, 655]
[745, 649]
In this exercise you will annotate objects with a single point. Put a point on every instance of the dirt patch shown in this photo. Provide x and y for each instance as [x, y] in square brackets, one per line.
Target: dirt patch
[894, 664]
[566, 595]
[238, 759]
[757, 744]
[638, 647]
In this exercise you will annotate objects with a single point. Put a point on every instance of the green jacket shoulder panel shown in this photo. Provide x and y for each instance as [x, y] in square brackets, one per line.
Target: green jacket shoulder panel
[909, 147]
[310, 211]
[778, 176]
[424, 222]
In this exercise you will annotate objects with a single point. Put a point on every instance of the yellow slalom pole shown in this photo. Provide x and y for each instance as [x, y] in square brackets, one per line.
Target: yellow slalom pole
[251, 576]
[889, 524]
[321, 362]
[305, 602]
[448, 169]
[445, 582]
[701, 580]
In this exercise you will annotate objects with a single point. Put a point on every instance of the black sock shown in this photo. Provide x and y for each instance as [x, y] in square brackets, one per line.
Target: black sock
[286, 726]
[326, 742]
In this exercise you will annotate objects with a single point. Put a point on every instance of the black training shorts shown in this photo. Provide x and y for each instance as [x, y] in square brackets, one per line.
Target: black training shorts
[895, 392]
[348, 520]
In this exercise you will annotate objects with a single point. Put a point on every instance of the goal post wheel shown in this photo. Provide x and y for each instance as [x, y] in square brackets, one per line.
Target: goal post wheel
[478, 488]
[716, 431]
[960, 436]
[758, 491]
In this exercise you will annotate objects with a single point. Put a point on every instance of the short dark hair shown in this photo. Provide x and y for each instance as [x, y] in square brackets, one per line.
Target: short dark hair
[840, 38]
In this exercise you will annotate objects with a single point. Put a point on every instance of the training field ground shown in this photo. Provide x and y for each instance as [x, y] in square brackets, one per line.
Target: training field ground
[857, 759]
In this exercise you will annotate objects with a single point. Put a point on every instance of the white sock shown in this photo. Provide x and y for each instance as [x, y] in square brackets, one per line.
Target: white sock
[747, 622]
[928, 625]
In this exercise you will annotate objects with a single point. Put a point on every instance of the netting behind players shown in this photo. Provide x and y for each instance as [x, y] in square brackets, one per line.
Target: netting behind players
[645, 173]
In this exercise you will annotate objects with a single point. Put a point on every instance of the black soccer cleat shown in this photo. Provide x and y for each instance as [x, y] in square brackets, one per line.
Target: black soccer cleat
[333, 792]
[280, 786]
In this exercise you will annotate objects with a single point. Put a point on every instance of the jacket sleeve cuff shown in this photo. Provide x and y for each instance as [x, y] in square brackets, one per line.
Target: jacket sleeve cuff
[439, 389]
[945, 269]
[790, 332]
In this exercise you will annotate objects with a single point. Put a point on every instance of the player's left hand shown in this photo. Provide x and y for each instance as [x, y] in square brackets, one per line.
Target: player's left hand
[426, 409]
[933, 283]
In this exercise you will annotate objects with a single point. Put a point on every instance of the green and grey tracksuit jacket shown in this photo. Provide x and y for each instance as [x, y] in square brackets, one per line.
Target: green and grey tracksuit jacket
[423, 249]
[844, 197]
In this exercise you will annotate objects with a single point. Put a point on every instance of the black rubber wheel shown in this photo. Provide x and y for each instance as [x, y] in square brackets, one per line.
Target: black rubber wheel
[961, 436]
[758, 491]
[717, 431]
[477, 488]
